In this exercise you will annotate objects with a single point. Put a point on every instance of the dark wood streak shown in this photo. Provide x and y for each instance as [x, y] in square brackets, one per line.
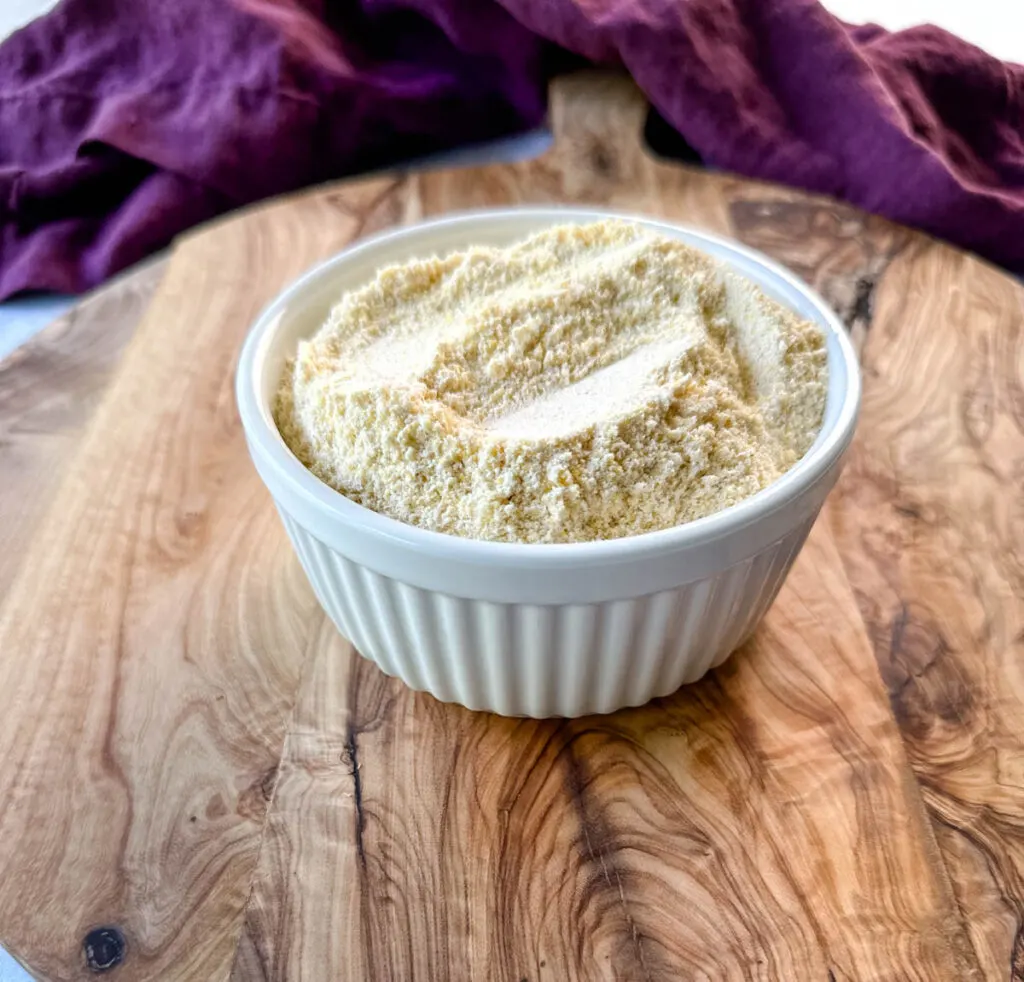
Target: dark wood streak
[933, 678]
[839, 250]
[376, 209]
[931, 536]
[601, 852]
[351, 758]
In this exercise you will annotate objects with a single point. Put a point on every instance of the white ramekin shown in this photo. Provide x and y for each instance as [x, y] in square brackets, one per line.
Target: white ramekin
[537, 630]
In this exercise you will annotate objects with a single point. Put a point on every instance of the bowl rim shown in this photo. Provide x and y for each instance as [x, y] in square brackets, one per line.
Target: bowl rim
[334, 507]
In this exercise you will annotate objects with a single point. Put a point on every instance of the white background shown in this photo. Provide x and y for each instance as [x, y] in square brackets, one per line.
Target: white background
[995, 25]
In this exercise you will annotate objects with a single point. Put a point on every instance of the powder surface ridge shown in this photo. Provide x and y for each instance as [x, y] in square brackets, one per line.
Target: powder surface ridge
[591, 382]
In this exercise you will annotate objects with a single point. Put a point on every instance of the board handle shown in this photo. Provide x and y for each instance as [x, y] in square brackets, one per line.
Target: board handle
[597, 119]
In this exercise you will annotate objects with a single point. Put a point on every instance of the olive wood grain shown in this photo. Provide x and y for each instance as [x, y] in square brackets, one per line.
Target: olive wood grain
[49, 389]
[195, 757]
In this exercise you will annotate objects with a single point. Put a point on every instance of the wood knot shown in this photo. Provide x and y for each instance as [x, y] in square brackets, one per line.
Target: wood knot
[861, 309]
[602, 161]
[253, 801]
[104, 948]
[926, 683]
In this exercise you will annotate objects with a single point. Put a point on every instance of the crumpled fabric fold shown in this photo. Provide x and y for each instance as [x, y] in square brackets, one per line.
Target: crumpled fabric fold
[125, 122]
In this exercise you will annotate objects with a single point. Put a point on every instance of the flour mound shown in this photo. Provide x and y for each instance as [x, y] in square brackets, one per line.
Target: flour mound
[590, 382]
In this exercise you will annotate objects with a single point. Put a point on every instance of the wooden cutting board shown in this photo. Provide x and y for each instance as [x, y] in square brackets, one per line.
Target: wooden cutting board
[196, 761]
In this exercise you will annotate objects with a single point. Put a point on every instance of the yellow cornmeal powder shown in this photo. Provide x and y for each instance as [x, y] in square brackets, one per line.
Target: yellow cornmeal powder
[590, 382]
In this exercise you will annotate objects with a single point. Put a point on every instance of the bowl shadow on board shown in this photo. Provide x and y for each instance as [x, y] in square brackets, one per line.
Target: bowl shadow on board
[721, 690]
[668, 762]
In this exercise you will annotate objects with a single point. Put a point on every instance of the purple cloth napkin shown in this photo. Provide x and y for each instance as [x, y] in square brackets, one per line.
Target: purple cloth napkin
[124, 122]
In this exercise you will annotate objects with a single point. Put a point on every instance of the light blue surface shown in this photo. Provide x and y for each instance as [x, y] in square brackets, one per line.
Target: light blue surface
[21, 319]
[11, 971]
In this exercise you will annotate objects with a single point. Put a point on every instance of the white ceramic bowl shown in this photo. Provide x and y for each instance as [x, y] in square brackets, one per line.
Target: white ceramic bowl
[537, 630]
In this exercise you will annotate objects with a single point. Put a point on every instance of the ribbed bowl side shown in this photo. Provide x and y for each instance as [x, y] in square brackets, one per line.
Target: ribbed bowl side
[545, 660]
